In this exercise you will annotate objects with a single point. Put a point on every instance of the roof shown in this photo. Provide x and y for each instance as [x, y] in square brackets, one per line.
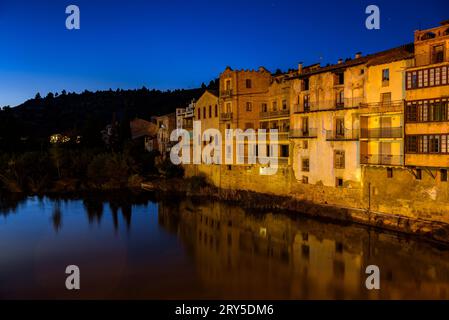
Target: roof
[398, 53]
[142, 128]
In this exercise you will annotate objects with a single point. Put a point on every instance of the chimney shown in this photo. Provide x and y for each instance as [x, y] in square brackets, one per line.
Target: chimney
[340, 61]
[358, 55]
[300, 67]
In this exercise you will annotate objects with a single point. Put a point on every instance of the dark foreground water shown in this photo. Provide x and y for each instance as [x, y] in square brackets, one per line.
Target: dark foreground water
[139, 249]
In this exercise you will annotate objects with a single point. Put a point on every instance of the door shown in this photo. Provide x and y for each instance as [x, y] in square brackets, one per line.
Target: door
[385, 153]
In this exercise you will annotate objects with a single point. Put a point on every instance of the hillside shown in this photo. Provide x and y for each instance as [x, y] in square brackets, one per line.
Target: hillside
[85, 114]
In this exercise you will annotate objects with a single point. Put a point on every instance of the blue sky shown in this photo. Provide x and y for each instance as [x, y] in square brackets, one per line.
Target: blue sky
[180, 44]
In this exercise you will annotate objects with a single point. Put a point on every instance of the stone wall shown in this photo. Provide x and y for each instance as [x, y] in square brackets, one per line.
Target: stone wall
[401, 199]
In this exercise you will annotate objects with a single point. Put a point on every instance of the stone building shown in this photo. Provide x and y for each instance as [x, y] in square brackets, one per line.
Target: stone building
[325, 123]
[427, 114]
[382, 112]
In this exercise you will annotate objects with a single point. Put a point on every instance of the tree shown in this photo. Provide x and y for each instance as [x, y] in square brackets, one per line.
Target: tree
[50, 95]
[38, 96]
[203, 86]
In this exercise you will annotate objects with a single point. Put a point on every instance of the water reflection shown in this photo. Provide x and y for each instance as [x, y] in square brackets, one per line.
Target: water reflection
[185, 249]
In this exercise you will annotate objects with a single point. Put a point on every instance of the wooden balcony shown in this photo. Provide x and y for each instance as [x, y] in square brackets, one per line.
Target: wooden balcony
[382, 107]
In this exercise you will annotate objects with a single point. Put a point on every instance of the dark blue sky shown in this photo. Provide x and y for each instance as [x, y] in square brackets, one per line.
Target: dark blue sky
[181, 43]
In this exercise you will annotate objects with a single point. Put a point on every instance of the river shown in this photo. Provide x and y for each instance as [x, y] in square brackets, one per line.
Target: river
[136, 247]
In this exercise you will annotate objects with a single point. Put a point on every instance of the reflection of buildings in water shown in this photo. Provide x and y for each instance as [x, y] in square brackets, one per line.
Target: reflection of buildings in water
[56, 216]
[240, 255]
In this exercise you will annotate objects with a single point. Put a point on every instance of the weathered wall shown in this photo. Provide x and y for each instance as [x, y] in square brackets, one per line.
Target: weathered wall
[402, 195]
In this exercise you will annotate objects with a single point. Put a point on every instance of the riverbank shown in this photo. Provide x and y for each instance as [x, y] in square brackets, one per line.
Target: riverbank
[198, 188]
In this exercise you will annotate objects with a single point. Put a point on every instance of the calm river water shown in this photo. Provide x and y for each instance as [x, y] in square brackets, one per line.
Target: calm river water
[131, 247]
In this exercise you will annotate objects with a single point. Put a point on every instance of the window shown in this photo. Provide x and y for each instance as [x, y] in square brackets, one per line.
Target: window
[430, 77]
[340, 99]
[438, 54]
[305, 126]
[284, 104]
[228, 85]
[216, 111]
[228, 107]
[434, 144]
[412, 144]
[264, 107]
[249, 106]
[389, 172]
[339, 182]
[284, 151]
[204, 112]
[339, 159]
[199, 113]
[305, 84]
[305, 179]
[385, 77]
[274, 105]
[418, 174]
[248, 84]
[340, 127]
[306, 103]
[305, 144]
[210, 111]
[340, 78]
[443, 175]
[305, 165]
[386, 98]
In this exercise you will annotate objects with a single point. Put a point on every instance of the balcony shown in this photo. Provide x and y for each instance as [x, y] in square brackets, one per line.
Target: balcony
[382, 159]
[382, 107]
[275, 114]
[381, 133]
[426, 59]
[226, 116]
[303, 134]
[328, 105]
[226, 93]
[346, 135]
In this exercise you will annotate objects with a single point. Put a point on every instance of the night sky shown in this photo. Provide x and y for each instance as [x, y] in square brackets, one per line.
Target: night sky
[180, 44]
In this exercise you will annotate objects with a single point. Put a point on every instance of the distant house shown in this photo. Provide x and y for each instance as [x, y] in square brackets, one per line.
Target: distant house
[165, 125]
[145, 131]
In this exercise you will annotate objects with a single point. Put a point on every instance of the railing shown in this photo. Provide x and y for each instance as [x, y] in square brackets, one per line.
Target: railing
[346, 135]
[382, 159]
[226, 116]
[275, 114]
[300, 133]
[381, 107]
[226, 93]
[328, 105]
[425, 59]
[378, 133]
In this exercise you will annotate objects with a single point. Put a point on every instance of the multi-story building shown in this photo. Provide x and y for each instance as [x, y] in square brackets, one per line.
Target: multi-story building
[275, 114]
[242, 94]
[427, 95]
[185, 116]
[325, 123]
[382, 112]
[207, 111]
[165, 124]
